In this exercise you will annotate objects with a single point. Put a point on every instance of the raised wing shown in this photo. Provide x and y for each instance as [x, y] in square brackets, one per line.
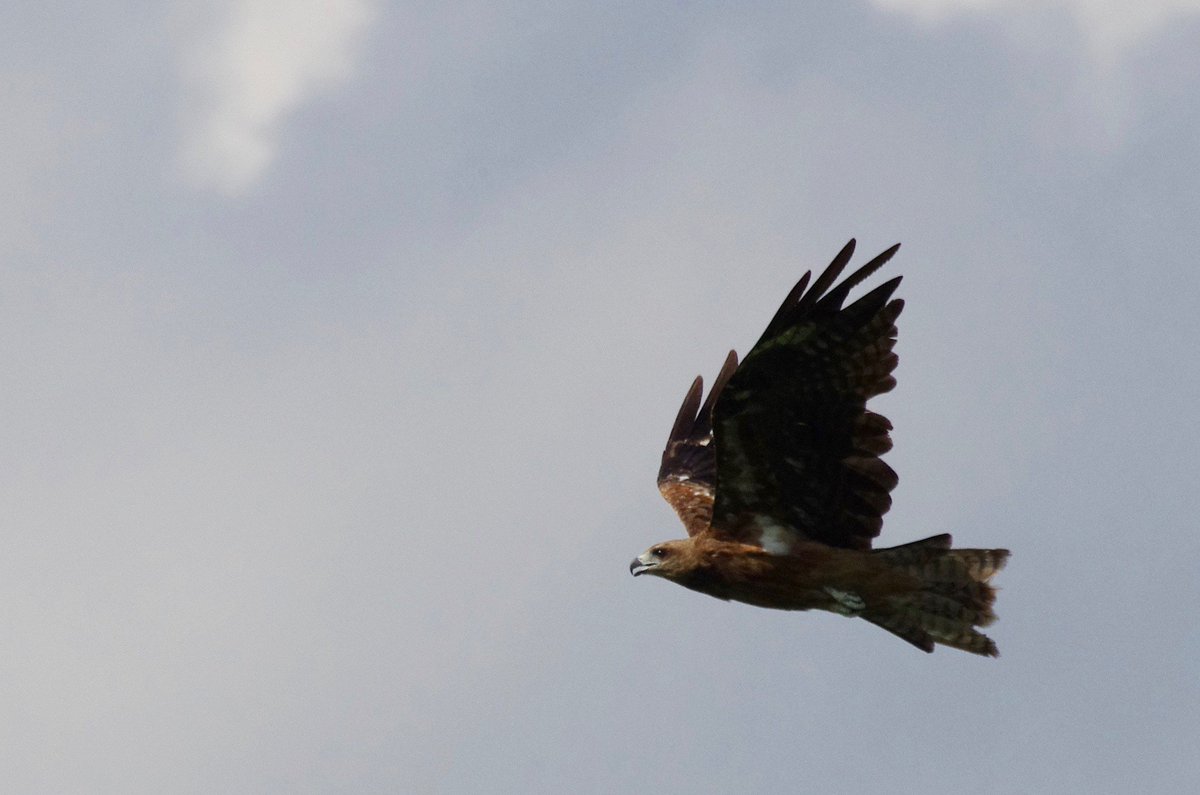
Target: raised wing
[687, 478]
[797, 452]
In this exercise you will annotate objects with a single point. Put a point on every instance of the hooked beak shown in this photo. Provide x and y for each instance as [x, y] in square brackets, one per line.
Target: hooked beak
[641, 564]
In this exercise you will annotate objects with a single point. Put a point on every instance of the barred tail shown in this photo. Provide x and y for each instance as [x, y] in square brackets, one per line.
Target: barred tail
[953, 599]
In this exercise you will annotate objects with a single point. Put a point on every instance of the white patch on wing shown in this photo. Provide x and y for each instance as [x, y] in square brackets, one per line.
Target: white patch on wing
[773, 538]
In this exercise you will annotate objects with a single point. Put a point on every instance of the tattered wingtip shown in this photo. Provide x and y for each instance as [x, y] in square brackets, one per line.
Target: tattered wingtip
[837, 296]
[829, 275]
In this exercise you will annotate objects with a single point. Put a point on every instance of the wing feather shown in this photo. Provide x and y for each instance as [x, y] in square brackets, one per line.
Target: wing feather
[687, 478]
[795, 446]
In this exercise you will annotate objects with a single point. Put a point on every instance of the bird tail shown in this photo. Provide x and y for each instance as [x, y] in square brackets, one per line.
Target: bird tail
[953, 598]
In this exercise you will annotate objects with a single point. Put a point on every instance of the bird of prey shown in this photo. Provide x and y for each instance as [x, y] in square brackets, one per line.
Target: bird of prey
[778, 478]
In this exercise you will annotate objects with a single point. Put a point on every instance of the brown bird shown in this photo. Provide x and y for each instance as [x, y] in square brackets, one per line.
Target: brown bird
[778, 478]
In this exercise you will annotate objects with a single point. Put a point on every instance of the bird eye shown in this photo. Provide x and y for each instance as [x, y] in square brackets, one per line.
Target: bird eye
[658, 552]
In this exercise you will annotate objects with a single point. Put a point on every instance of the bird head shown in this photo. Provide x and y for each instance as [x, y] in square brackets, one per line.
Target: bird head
[663, 560]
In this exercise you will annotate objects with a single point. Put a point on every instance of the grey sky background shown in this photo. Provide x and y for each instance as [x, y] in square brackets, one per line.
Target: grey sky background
[341, 339]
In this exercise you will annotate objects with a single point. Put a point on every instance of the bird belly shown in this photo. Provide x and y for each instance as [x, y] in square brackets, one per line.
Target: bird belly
[778, 584]
[821, 578]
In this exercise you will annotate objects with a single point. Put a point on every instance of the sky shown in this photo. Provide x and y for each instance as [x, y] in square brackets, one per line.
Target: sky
[341, 339]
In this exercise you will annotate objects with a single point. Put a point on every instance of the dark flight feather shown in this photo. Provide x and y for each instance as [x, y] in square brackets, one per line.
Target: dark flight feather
[687, 477]
[796, 447]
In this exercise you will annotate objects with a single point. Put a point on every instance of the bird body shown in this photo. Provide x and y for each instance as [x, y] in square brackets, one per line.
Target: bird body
[778, 479]
[799, 580]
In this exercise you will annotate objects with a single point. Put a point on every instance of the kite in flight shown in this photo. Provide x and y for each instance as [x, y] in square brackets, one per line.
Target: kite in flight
[778, 479]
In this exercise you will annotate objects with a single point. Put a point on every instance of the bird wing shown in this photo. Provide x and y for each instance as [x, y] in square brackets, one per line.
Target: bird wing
[687, 478]
[797, 452]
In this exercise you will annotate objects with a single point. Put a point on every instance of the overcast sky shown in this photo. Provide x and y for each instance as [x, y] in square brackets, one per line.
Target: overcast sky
[340, 340]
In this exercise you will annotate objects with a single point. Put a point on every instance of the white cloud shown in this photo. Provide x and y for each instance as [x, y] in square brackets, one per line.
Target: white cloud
[1110, 26]
[249, 71]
